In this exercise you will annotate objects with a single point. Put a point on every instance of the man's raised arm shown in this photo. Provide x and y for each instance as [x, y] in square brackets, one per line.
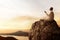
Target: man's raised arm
[46, 13]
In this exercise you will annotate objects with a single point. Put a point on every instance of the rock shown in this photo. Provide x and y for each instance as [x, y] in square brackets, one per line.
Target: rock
[44, 30]
[10, 38]
[7, 38]
[2, 38]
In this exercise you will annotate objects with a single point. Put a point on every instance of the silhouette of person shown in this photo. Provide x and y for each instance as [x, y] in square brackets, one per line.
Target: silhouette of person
[51, 15]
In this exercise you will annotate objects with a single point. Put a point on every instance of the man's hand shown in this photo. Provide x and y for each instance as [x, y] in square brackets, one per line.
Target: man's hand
[45, 11]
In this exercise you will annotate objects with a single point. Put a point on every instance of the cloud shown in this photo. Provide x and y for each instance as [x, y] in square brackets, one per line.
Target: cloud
[19, 23]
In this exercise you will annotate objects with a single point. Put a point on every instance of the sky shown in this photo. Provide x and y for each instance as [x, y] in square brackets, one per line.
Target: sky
[10, 9]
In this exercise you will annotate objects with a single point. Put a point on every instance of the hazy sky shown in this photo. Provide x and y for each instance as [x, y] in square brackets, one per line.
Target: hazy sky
[13, 8]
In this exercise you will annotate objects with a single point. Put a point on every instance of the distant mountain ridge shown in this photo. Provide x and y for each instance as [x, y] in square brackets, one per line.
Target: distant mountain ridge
[18, 33]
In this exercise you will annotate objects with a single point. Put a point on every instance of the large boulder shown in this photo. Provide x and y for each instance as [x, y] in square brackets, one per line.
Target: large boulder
[2, 38]
[7, 38]
[10, 38]
[44, 30]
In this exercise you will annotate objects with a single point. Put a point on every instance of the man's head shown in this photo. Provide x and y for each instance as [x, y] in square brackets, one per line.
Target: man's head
[51, 8]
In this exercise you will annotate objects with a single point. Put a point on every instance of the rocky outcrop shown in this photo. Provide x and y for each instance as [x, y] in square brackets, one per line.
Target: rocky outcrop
[44, 30]
[7, 38]
[2, 38]
[10, 38]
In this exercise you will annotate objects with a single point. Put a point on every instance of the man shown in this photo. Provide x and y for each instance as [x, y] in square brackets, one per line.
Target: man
[51, 15]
